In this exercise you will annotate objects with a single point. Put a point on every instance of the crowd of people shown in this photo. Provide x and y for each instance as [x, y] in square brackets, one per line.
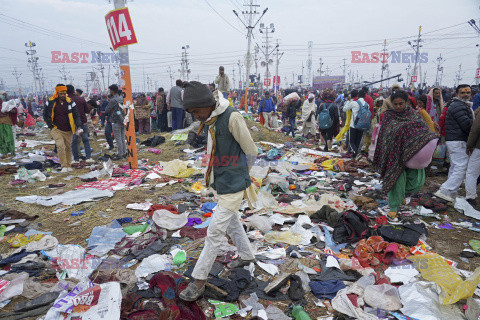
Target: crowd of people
[383, 125]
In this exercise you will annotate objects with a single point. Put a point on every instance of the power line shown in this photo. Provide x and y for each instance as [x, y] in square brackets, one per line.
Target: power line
[231, 25]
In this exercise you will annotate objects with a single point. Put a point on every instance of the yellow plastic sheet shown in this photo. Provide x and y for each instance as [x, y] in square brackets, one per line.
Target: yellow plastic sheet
[287, 237]
[333, 165]
[434, 268]
[178, 169]
[19, 240]
[345, 128]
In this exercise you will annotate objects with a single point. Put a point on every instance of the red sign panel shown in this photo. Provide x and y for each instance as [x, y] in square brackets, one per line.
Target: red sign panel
[477, 74]
[120, 28]
[267, 82]
[95, 91]
[276, 80]
[413, 79]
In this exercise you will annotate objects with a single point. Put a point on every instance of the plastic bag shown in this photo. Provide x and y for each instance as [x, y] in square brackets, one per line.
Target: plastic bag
[276, 179]
[178, 169]
[283, 237]
[439, 154]
[262, 223]
[434, 268]
[152, 264]
[382, 296]
[170, 221]
[266, 200]
[291, 96]
[333, 165]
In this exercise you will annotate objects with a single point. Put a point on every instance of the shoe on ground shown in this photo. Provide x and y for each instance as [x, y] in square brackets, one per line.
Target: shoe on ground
[472, 202]
[277, 283]
[64, 170]
[191, 293]
[116, 157]
[239, 263]
[111, 148]
[90, 160]
[75, 162]
[392, 216]
[443, 196]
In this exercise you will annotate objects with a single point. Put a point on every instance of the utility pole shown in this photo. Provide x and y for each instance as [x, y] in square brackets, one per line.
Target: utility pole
[474, 25]
[249, 25]
[100, 58]
[384, 64]
[344, 67]
[407, 70]
[239, 69]
[63, 74]
[144, 83]
[171, 76]
[257, 78]
[17, 76]
[320, 68]
[184, 63]
[279, 56]
[309, 63]
[33, 62]
[327, 71]
[266, 30]
[416, 47]
[87, 80]
[458, 75]
[233, 77]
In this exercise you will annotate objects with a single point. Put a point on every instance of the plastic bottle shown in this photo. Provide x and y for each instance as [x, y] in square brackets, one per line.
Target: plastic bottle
[299, 314]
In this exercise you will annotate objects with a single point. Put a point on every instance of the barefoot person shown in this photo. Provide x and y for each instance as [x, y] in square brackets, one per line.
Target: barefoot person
[230, 153]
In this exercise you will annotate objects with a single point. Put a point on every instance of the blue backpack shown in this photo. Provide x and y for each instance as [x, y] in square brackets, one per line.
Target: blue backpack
[324, 120]
[364, 117]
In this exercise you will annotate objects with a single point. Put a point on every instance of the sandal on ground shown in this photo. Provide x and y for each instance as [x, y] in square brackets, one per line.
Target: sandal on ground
[392, 216]
[191, 293]
[239, 263]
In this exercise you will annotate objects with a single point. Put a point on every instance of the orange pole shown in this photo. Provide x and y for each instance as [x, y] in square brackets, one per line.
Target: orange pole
[130, 129]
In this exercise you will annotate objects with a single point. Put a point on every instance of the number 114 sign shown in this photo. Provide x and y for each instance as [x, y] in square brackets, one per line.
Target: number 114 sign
[120, 28]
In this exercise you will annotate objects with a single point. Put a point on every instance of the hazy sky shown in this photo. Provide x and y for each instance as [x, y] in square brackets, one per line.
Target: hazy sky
[163, 26]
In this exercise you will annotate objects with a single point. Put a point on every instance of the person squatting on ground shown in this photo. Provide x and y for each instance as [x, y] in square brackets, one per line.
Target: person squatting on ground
[228, 140]
[458, 122]
[62, 118]
[405, 147]
[116, 117]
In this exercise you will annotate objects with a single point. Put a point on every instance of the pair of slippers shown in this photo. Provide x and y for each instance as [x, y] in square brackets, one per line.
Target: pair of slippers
[295, 291]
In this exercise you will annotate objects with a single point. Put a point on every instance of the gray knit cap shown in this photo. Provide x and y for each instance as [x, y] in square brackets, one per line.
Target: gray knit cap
[197, 95]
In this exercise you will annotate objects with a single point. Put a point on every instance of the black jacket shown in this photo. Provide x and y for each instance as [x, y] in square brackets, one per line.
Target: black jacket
[72, 113]
[291, 110]
[458, 121]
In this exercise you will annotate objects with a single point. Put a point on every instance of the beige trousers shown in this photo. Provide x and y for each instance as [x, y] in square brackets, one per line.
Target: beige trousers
[63, 140]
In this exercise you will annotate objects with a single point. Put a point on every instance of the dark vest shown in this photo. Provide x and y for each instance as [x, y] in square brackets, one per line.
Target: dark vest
[230, 168]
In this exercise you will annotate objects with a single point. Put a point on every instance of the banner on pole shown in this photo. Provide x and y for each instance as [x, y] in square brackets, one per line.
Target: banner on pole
[120, 28]
[413, 79]
[267, 82]
[477, 74]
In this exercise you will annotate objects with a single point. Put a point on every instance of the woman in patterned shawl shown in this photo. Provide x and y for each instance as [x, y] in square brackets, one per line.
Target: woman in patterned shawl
[405, 147]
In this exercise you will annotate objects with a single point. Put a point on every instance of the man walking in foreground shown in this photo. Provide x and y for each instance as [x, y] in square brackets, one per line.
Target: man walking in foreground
[230, 153]
[458, 123]
[62, 118]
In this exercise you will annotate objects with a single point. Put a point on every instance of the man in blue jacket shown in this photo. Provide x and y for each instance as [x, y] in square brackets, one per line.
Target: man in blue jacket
[267, 108]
